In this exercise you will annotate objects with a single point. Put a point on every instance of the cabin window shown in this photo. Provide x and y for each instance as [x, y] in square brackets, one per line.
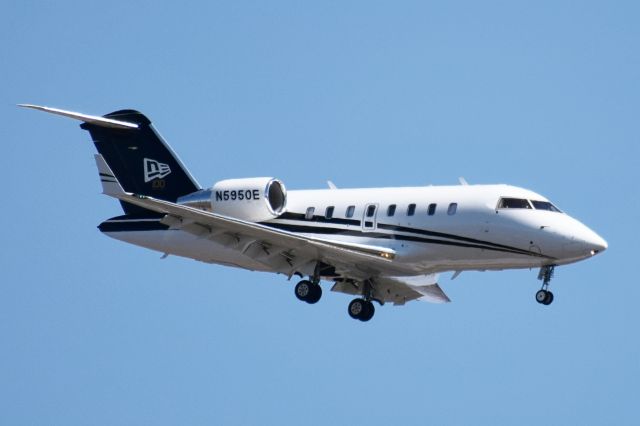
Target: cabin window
[545, 205]
[411, 210]
[513, 203]
[371, 210]
[329, 212]
[432, 209]
[453, 207]
[309, 214]
[391, 210]
[350, 211]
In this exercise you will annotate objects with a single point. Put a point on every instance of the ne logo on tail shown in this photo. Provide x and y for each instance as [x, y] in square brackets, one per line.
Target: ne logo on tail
[155, 170]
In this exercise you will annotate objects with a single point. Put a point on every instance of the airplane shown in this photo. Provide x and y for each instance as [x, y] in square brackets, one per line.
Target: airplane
[383, 245]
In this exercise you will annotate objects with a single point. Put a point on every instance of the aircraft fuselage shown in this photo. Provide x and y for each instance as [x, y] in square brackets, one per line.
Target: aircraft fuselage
[431, 229]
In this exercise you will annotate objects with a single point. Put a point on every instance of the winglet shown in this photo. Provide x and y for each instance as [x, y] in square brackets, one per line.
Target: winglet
[93, 119]
[110, 184]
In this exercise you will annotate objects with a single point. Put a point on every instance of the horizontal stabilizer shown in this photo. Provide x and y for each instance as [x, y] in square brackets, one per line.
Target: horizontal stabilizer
[93, 119]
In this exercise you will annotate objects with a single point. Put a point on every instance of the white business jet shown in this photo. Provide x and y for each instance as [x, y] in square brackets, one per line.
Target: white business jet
[379, 244]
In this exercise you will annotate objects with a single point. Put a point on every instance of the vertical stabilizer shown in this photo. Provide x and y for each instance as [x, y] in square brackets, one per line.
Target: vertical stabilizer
[140, 159]
[137, 157]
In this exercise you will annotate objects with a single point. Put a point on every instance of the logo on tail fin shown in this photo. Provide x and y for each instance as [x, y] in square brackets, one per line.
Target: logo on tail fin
[154, 170]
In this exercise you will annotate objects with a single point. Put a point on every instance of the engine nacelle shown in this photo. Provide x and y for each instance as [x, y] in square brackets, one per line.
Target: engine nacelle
[250, 199]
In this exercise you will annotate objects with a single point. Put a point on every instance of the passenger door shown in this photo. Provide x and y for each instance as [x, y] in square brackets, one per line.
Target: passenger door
[369, 218]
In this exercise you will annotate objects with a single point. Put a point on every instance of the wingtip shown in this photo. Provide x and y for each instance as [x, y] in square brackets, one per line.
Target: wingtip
[29, 106]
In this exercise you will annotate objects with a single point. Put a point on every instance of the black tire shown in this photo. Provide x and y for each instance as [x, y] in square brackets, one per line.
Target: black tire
[367, 314]
[541, 296]
[356, 307]
[303, 290]
[549, 299]
[315, 294]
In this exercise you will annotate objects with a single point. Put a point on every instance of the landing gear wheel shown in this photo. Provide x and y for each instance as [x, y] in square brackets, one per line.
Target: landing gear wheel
[308, 292]
[303, 290]
[544, 297]
[356, 307]
[367, 314]
[361, 309]
[541, 296]
[315, 295]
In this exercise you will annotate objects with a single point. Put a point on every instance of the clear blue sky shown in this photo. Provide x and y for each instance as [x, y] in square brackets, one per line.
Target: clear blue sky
[540, 94]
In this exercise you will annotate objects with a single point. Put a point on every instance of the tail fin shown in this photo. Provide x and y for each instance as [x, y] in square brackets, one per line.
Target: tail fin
[140, 159]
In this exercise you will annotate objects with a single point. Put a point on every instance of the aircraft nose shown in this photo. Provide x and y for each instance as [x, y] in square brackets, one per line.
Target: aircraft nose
[583, 242]
[597, 243]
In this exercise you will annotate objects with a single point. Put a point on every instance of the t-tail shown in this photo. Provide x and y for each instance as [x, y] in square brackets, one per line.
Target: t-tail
[140, 159]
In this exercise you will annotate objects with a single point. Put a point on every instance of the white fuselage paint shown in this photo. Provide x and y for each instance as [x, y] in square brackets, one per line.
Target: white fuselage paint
[478, 236]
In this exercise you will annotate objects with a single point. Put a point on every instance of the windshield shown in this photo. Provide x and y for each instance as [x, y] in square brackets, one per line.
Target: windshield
[513, 203]
[545, 205]
[521, 203]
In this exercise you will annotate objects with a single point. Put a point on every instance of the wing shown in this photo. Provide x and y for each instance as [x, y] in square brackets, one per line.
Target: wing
[279, 250]
[399, 290]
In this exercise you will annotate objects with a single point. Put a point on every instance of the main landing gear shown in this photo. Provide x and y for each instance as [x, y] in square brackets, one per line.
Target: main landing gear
[308, 291]
[544, 295]
[361, 309]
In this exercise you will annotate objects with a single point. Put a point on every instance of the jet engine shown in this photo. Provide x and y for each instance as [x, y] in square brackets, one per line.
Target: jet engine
[250, 199]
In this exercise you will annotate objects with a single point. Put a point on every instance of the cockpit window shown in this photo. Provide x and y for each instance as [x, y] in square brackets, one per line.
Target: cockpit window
[545, 205]
[513, 203]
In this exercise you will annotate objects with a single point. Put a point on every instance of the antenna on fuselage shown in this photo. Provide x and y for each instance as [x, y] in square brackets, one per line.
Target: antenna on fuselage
[463, 181]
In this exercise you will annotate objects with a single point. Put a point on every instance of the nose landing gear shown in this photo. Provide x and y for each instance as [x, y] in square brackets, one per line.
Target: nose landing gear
[544, 295]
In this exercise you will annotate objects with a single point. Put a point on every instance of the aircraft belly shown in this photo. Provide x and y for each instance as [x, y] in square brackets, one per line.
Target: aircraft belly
[428, 257]
[412, 257]
[437, 258]
[184, 244]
